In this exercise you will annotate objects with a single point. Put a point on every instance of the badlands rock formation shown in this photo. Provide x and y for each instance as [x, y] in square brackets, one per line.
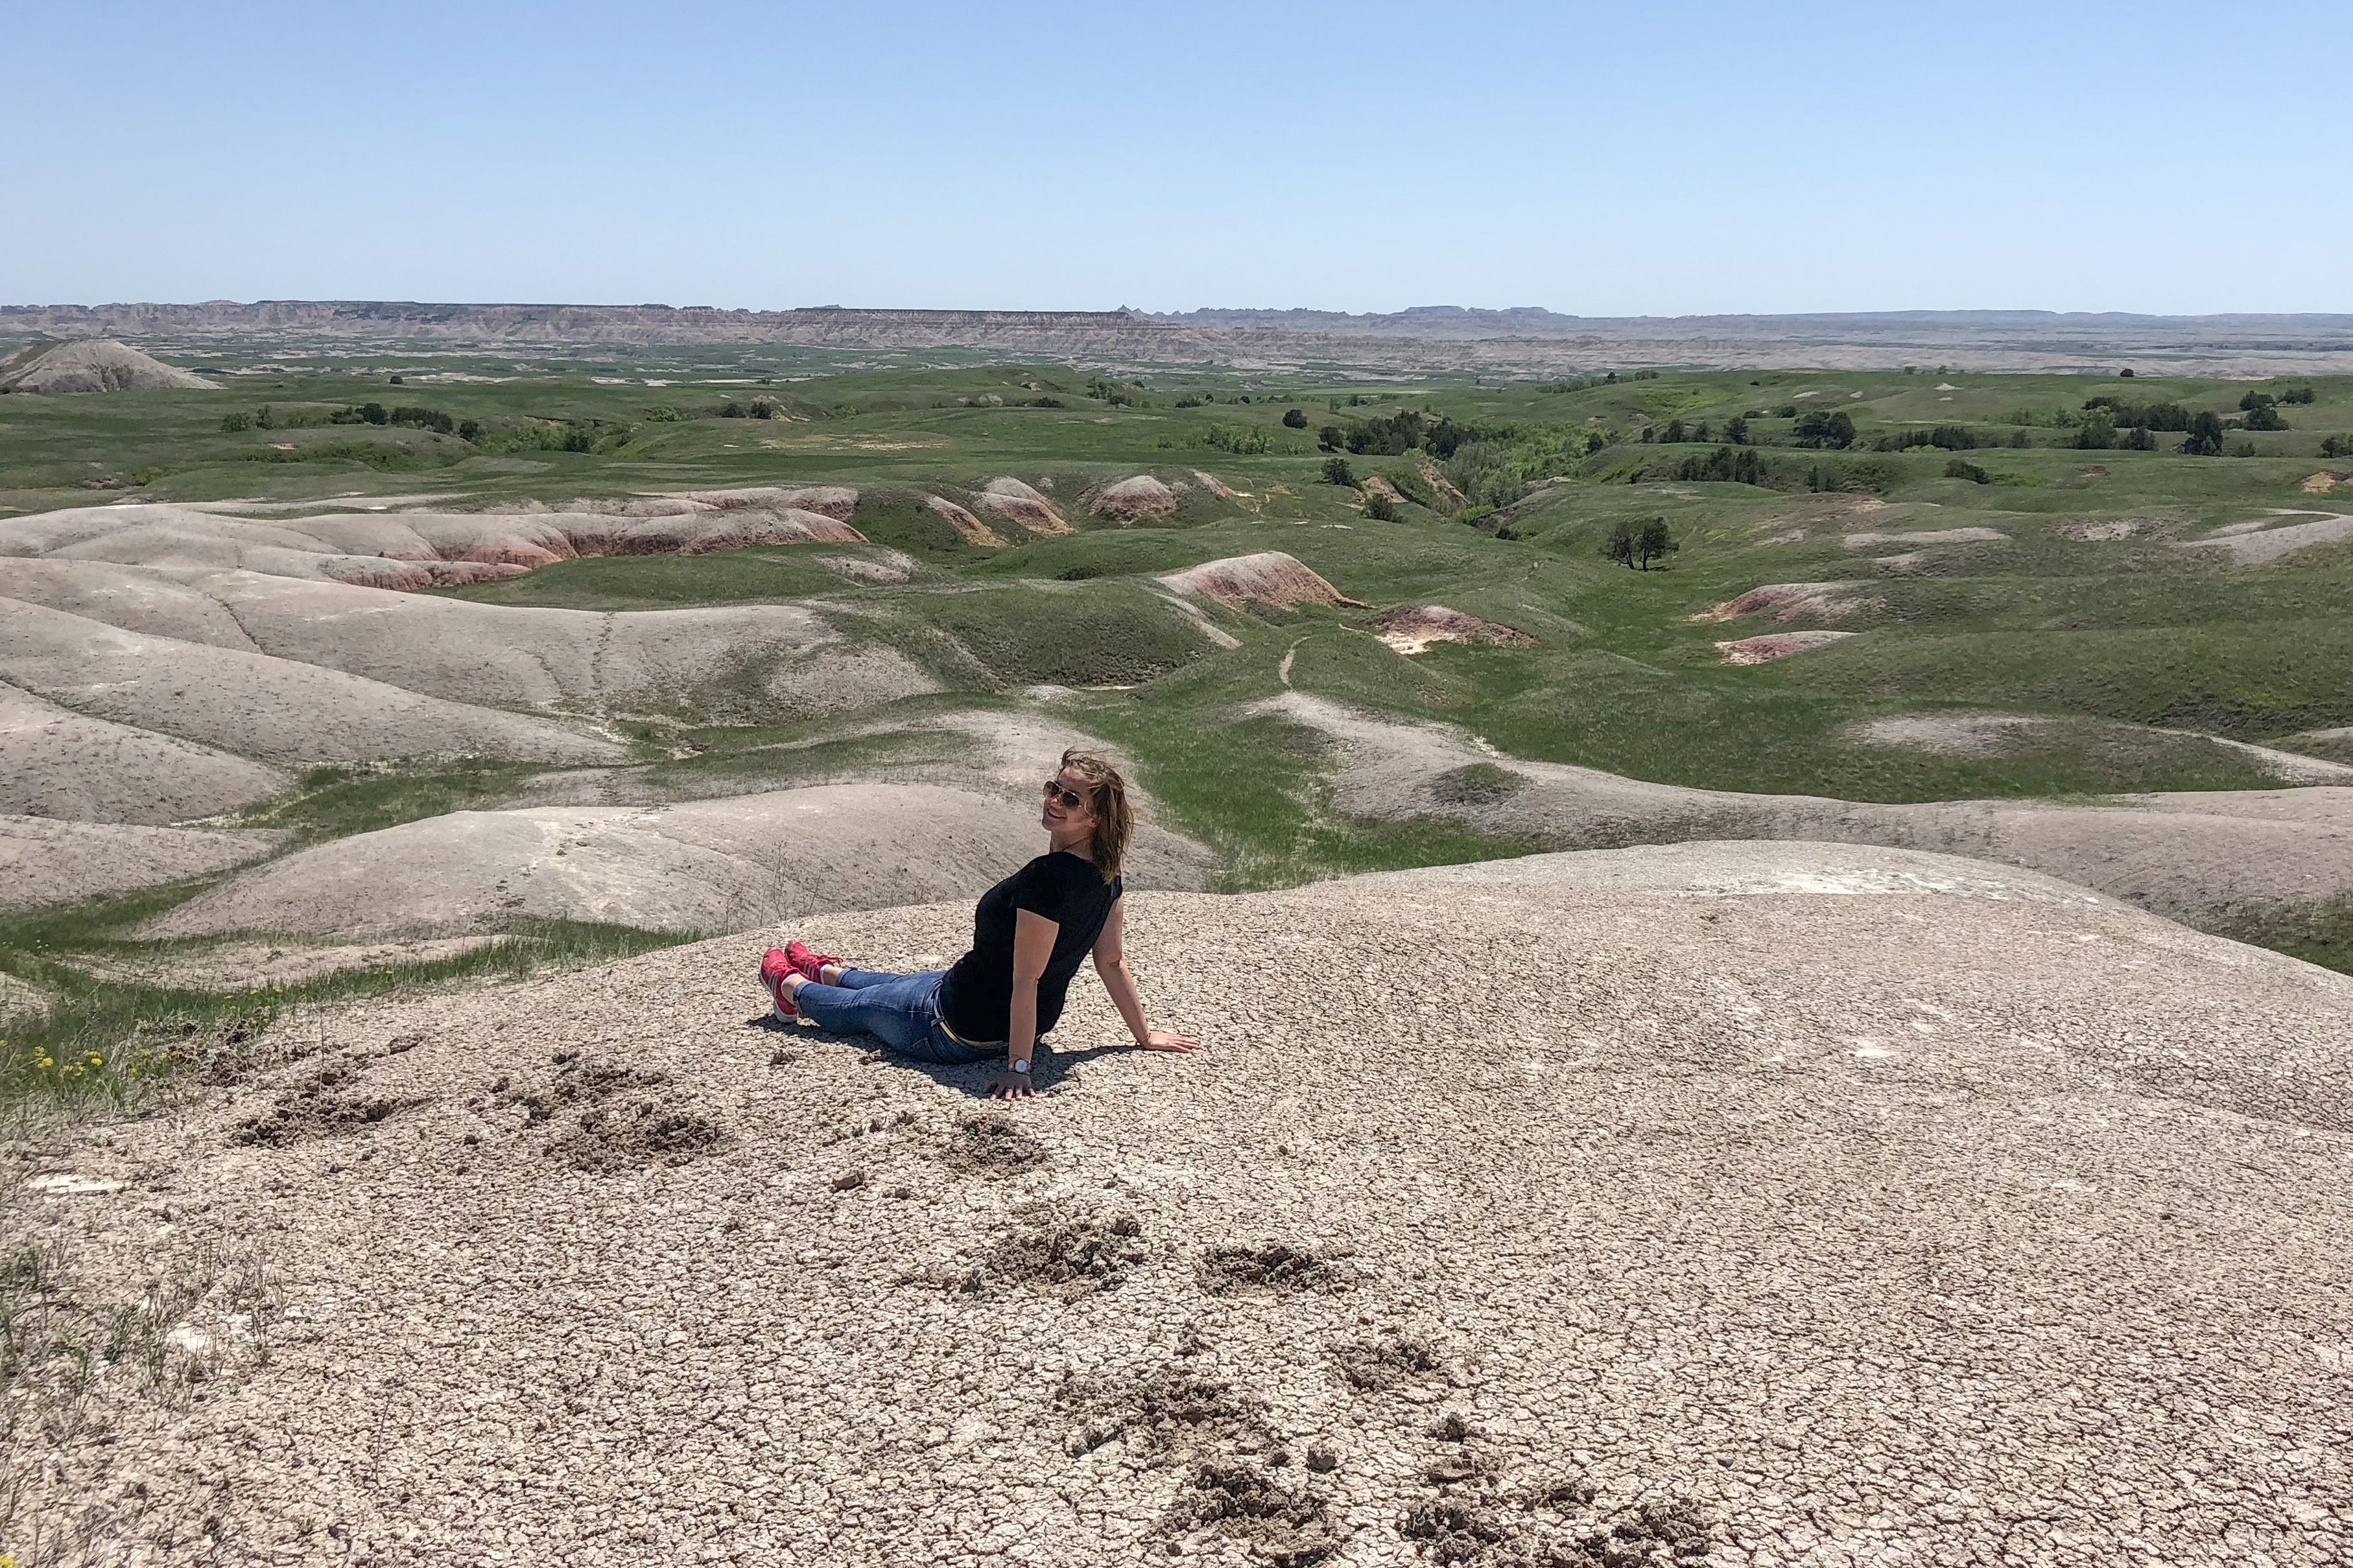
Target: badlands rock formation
[44, 860]
[1414, 628]
[2203, 856]
[1009, 499]
[1720, 1205]
[1133, 499]
[704, 866]
[92, 365]
[411, 549]
[1270, 580]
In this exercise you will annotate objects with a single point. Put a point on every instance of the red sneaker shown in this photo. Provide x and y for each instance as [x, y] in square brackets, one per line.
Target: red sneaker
[774, 966]
[811, 965]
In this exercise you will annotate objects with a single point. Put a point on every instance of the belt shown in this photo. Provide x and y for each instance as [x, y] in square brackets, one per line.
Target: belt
[940, 1016]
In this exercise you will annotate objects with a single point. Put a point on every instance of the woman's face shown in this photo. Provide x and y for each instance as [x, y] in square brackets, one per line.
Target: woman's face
[1059, 815]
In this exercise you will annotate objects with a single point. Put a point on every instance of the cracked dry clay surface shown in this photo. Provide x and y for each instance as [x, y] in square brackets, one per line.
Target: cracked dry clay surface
[1767, 1202]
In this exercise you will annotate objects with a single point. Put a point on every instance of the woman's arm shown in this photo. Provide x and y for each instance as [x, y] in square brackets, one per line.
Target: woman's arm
[1033, 945]
[1110, 963]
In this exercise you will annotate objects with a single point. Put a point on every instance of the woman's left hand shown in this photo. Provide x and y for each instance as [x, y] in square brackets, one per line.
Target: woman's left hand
[1010, 1085]
[1161, 1041]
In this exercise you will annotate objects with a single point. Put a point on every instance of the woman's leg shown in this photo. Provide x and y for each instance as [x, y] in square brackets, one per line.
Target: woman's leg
[848, 979]
[897, 1010]
[902, 1013]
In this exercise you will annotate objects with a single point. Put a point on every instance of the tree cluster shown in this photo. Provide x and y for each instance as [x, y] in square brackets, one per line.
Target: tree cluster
[1945, 438]
[1816, 428]
[2148, 416]
[2205, 438]
[2263, 412]
[1724, 465]
[1394, 435]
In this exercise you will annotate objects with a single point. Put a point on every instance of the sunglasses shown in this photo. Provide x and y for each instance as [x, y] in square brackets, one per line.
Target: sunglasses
[1072, 799]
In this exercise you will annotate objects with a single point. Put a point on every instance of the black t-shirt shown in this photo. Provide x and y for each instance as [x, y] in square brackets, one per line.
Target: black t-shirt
[976, 998]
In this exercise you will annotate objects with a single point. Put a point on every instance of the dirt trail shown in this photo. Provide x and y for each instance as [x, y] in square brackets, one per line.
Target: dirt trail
[1959, 1161]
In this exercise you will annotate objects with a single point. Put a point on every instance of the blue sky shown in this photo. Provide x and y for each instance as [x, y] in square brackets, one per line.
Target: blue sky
[1598, 160]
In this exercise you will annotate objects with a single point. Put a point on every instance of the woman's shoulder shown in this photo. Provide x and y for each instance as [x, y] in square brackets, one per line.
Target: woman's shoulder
[1069, 871]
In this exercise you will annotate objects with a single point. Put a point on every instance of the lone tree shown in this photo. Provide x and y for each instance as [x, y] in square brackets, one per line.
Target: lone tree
[1636, 542]
[1619, 546]
[1295, 418]
[2205, 438]
[1336, 471]
[1653, 544]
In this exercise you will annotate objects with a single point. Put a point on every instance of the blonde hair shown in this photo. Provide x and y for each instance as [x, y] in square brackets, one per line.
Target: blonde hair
[1107, 794]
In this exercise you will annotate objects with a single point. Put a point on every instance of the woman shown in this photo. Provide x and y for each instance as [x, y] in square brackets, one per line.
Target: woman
[1028, 934]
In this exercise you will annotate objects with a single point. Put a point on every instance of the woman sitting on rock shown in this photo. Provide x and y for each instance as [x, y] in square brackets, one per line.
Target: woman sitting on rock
[1029, 932]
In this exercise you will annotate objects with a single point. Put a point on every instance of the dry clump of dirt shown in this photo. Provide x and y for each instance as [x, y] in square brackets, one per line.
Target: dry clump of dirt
[1063, 1251]
[1776, 645]
[321, 1106]
[1268, 1267]
[1170, 1411]
[2321, 483]
[1788, 601]
[1240, 1483]
[618, 1137]
[990, 1146]
[1552, 1527]
[1543, 1521]
[1390, 1360]
[1284, 1524]
[1270, 580]
[1413, 628]
[577, 1080]
[651, 1128]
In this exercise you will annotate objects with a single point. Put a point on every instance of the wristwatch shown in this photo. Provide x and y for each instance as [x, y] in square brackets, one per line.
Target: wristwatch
[1012, 1066]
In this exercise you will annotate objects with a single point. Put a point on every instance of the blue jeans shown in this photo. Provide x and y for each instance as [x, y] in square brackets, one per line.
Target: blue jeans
[903, 1011]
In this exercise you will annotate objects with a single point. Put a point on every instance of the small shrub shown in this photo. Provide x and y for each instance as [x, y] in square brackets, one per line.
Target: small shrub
[1957, 469]
[1336, 471]
[1380, 508]
[1294, 419]
[240, 420]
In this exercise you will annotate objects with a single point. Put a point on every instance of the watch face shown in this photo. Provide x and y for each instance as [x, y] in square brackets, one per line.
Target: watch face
[1018, 1067]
